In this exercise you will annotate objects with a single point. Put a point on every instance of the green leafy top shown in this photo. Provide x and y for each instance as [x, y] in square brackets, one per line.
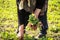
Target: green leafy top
[33, 19]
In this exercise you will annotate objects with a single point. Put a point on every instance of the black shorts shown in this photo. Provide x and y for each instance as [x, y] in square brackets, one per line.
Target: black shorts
[23, 17]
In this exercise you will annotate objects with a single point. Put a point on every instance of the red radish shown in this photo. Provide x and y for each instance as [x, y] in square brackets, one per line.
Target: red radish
[34, 27]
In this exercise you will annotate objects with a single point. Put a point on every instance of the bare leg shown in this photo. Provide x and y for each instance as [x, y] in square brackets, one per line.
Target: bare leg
[21, 32]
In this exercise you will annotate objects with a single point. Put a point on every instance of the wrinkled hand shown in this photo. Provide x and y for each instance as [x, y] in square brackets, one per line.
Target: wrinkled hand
[36, 12]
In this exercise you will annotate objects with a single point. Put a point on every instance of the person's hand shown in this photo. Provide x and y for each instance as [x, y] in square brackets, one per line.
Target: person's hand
[36, 12]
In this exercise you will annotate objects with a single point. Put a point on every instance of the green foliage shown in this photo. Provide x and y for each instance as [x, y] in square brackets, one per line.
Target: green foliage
[33, 20]
[8, 36]
[54, 29]
[8, 19]
[54, 15]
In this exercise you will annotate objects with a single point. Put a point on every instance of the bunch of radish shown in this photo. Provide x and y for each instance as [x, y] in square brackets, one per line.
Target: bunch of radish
[33, 21]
